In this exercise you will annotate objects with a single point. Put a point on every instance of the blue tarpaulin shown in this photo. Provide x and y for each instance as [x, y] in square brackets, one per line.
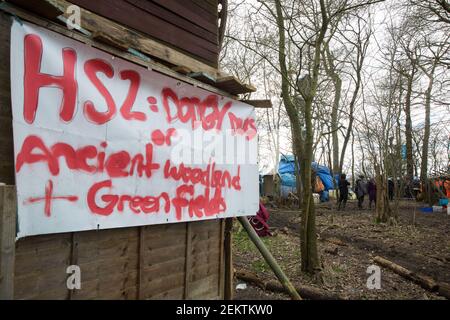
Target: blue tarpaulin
[287, 165]
[324, 175]
[288, 179]
[286, 170]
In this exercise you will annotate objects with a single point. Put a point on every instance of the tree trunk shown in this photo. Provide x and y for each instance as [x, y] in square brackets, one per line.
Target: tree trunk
[308, 237]
[337, 83]
[426, 135]
[408, 127]
[383, 210]
[335, 124]
[302, 149]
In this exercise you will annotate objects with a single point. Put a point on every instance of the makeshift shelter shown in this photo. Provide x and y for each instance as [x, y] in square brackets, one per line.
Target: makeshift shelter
[288, 178]
[268, 185]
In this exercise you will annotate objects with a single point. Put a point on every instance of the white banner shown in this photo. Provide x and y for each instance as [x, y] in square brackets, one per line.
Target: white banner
[100, 142]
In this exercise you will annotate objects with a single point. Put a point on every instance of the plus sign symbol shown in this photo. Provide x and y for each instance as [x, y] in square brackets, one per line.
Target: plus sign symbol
[49, 197]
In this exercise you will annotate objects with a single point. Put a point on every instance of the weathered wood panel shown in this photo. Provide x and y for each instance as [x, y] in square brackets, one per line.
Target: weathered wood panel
[164, 261]
[40, 270]
[6, 141]
[110, 268]
[8, 208]
[182, 24]
[204, 275]
[108, 260]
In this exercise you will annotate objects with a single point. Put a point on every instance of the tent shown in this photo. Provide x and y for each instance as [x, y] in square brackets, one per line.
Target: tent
[286, 169]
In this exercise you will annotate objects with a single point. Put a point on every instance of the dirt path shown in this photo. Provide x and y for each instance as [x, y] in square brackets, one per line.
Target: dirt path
[423, 247]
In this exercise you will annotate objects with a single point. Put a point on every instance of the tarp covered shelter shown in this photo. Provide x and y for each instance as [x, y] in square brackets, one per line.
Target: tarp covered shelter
[286, 170]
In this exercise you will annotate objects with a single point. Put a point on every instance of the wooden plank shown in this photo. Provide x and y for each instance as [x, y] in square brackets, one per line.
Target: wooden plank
[94, 22]
[140, 262]
[188, 10]
[153, 26]
[108, 260]
[210, 7]
[182, 69]
[41, 261]
[110, 40]
[175, 232]
[206, 225]
[233, 85]
[203, 77]
[109, 286]
[40, 7]
[204, 287]
[40, 266]
[264, 104]
[8, 211]
[164, 254]
[171, 294]
[229, 288]
[222, 258]
[166, 267]
[205, 249]
[7, 158]
[43, 243]
[188, 261]
[157, 285]
[206, 269]
[90, 252]
[116, 266]
[146, 45]
[50, 283]
[180, 21]
[73, 257]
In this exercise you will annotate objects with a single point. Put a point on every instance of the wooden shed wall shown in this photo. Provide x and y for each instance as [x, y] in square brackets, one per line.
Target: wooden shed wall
[173, 261]
[188, 25]
[6, 141]
[182, 260]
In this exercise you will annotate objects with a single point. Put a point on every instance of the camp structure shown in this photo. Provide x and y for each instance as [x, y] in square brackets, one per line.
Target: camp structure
[287, 169]
[93, 95]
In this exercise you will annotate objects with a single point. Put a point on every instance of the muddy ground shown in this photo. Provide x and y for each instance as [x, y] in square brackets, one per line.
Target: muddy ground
[348, 241]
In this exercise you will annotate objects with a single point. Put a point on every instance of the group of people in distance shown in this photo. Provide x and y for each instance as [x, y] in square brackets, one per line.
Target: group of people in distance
[361, 188]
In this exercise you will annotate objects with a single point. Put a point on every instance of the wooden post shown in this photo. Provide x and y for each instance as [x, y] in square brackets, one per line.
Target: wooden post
[8, 210]
[141, 265]
[188, 256]
[228, 257]
[222, 260]
[73, 258]
[269, 258]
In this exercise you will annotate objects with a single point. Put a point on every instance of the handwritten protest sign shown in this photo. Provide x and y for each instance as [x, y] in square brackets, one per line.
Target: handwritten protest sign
[100, 142]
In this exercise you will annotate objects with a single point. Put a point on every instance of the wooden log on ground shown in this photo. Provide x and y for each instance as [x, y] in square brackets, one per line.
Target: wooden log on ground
[306, 292]
[335, 241]
[424, 281]
[444, 290]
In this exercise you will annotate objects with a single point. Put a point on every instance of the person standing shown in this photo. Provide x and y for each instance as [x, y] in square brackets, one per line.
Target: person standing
[343, 191]
[391, 189]
[372, 190]
[361, 190]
